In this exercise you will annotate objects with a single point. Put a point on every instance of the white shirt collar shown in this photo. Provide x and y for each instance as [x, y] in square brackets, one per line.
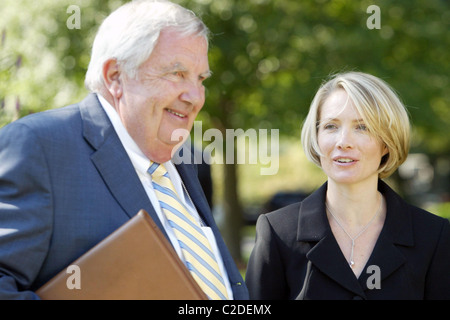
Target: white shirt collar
[139, 160]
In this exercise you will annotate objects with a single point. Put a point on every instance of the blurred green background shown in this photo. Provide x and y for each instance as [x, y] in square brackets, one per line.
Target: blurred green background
[268, 58]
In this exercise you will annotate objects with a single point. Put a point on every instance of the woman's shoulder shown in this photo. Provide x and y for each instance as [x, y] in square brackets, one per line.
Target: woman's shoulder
[425, 225]
[427, 221]
[283, 221]
[417, 214]
[284, 214]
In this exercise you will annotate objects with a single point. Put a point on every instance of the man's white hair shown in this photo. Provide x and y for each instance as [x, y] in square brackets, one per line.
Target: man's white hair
[130, 33]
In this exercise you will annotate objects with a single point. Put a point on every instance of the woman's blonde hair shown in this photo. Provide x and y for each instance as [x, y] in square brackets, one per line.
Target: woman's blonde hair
[383, 113]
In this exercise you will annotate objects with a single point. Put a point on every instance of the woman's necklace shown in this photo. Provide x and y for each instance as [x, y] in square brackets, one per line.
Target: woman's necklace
[352, 262]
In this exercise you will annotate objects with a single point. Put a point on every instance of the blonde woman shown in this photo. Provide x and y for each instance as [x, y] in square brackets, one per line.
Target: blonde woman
[354, 237]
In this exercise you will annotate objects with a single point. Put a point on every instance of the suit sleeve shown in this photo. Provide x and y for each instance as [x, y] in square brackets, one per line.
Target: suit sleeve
[25, 211]
[265, 272]
[438, 279]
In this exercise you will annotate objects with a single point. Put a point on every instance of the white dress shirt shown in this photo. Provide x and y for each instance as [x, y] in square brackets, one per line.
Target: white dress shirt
[141, 164]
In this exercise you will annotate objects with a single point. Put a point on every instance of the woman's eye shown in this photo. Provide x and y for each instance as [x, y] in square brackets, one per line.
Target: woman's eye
[329, 126]
[362, 127]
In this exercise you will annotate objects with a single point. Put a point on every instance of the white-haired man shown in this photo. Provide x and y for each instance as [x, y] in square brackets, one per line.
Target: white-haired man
[71, 176]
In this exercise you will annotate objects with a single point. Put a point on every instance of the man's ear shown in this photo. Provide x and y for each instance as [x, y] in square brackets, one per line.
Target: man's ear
[112, 78]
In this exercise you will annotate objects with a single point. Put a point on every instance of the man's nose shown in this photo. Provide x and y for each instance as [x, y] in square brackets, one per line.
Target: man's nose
[193, 93]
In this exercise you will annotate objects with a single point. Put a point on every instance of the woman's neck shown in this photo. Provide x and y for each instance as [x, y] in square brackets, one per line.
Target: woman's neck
[354, 205]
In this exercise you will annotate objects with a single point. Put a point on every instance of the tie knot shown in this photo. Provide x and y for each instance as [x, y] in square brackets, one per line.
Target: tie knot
[157, 170]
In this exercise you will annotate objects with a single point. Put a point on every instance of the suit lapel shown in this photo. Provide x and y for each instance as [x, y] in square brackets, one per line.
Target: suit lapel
[397, 230]
[112, 161]
[326, 254]
[385, 256]
[190, 180]
[189, 176]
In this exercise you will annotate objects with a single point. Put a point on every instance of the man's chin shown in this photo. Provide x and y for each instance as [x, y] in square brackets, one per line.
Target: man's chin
[164, 152]
[160, 152]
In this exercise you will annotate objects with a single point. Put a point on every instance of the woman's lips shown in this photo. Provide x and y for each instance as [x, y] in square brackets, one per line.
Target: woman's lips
[342, 160]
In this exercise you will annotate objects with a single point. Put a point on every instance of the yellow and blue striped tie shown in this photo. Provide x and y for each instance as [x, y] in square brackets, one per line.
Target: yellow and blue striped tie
[200, 259]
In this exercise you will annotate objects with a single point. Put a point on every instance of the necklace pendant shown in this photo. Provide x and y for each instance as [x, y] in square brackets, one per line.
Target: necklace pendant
[352, 263]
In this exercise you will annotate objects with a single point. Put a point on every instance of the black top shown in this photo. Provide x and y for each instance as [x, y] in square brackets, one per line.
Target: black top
[297, 257]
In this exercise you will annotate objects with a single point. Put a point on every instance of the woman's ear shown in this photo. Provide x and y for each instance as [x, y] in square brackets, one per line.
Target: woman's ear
[384, 155]
[385, 150]
[112, 78]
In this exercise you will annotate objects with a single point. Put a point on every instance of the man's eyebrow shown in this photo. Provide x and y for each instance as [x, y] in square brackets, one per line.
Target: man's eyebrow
[207, 74]
[175, 67]
[180, 67]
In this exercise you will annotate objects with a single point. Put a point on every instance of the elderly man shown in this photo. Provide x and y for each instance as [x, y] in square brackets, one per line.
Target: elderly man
[71, 176]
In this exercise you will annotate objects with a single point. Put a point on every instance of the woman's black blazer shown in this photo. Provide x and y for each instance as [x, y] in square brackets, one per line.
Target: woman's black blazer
[297, 257]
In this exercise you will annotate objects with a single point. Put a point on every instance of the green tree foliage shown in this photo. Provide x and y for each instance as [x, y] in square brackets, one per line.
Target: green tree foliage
[268, 58]
[42, 61]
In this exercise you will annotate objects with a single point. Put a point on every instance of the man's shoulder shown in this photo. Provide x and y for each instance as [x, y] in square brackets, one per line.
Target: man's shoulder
[48, 119]
[54, 121]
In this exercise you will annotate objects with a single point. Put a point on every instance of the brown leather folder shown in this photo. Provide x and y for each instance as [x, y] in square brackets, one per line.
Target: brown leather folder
[135, 262]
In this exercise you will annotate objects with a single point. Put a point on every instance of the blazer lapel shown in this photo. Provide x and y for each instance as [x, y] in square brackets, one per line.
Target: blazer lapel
[326, 254]
[112, 161]
[397, 230]
[190, 180]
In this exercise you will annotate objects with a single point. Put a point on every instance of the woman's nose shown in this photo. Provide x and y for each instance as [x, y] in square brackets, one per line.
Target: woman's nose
[345, 140]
